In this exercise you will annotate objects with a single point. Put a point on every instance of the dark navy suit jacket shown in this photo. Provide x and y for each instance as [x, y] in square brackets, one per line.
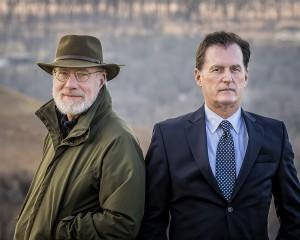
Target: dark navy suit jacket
[182, 196]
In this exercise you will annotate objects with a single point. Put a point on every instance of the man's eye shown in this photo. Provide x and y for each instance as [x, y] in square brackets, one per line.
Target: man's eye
[82, 74]
[236, 69]
[63, 73]
[215, 70]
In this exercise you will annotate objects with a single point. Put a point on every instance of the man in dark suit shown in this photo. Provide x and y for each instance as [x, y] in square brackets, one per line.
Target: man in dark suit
[211, 173]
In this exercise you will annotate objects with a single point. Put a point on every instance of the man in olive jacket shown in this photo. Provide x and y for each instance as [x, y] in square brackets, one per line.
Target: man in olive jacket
[90, 182]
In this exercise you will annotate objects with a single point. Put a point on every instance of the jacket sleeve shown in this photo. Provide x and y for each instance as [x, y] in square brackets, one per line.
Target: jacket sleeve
[121, 197]
[156, 216]
[286, 190]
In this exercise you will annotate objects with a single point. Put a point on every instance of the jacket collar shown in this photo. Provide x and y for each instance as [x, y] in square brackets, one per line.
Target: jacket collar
[213, 120]
[48, 115]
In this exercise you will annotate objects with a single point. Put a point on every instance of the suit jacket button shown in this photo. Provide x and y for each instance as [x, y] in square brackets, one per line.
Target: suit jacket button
[230, 209]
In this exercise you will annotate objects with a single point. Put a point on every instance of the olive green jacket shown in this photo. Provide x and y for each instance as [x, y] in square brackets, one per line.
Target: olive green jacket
[89, 185]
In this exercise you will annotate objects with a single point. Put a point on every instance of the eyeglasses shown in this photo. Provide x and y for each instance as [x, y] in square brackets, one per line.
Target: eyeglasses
[64, 75]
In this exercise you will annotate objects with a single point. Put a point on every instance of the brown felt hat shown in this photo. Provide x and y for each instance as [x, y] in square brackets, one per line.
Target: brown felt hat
[80, 51]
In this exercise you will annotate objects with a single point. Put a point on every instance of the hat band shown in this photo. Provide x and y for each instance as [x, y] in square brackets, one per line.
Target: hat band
[78, 57]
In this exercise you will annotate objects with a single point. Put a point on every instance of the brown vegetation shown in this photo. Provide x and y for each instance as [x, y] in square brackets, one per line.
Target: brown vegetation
[21, 132]
[20, 146]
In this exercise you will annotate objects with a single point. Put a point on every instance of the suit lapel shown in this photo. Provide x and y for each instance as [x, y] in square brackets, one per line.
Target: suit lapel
[195, 130]
[255, 134]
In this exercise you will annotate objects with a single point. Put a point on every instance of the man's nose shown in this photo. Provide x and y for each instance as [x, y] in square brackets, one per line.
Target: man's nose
[71, 82]
[227, 76]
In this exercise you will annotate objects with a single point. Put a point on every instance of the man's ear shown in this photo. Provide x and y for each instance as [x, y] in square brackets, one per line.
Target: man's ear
[246, 77]
[105, 76]
[103, 79]
[198, 77]
[102, 82]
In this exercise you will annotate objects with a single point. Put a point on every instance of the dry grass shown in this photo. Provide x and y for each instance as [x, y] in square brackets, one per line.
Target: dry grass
[21, 133]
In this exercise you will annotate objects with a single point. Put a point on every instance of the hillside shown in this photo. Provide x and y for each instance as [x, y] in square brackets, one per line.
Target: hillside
[21, 133]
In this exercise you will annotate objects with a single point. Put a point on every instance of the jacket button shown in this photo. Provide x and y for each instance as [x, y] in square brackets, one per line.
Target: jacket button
[230, 209]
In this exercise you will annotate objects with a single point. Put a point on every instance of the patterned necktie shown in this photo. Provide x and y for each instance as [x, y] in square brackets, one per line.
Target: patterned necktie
[225, 161]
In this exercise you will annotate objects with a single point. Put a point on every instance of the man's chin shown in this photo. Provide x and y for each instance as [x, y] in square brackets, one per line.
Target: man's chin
[228, 103]
[228, 100]
[71, 109]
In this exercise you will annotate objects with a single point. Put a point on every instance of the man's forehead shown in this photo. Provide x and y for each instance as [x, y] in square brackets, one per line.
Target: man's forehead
[230, 53]
[219, 48]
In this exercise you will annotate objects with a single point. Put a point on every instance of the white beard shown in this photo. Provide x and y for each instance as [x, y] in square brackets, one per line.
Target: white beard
[75, 108]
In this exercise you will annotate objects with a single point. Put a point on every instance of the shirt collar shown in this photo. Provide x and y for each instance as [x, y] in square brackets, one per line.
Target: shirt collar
[213, 120]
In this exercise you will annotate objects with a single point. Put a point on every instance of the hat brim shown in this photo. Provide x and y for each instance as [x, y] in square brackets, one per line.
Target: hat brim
[112, 70]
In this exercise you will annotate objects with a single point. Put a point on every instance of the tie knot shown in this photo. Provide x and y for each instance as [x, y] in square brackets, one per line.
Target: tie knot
[225, 125]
